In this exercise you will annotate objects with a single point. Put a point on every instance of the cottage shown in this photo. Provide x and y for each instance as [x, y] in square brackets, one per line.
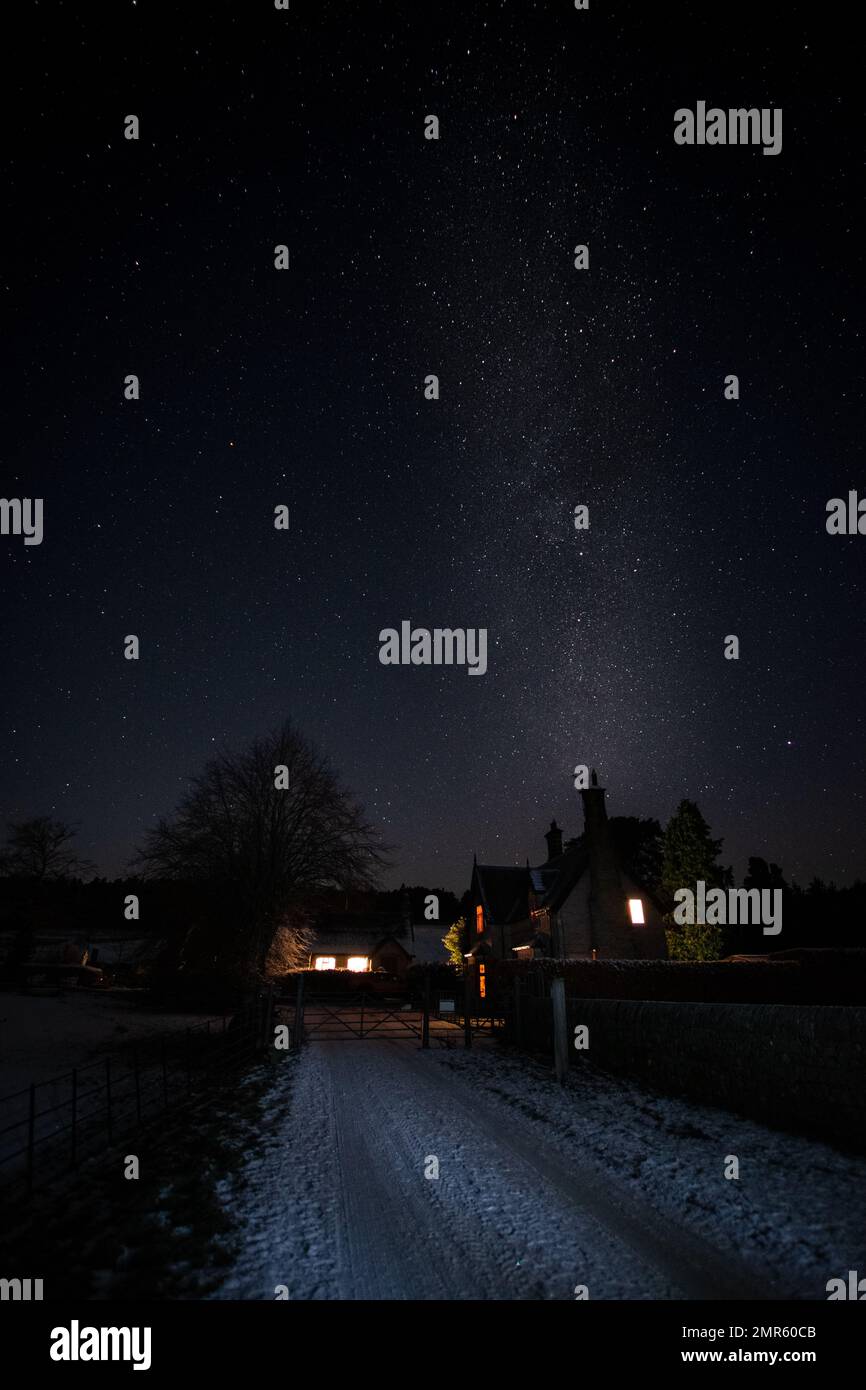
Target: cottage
[579, 904]
[366, 932]
[362, 938]
[359, 943]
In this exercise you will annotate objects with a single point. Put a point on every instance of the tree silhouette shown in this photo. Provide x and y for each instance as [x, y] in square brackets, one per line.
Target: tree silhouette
[261, 846]
[764, 875]
[41, 848]
[639, 844]
[689, 854]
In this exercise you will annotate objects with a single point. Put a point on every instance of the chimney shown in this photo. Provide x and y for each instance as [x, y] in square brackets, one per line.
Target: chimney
[554, 841]
[611, 935]
[405, 910]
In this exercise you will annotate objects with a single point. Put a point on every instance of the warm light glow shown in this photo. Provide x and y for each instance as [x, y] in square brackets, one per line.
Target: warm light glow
[479, 918]
[358, 963]
[635, 910]
[482, 983]
[326, 962]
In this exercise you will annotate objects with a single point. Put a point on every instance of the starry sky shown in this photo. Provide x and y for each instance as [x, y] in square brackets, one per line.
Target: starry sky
[558, 387]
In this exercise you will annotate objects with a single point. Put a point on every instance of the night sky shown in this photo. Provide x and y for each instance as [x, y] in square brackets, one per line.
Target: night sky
[558, 387]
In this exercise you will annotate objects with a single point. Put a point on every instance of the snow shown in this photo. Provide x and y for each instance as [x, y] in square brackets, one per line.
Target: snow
[541, 1187]
[44, 1037]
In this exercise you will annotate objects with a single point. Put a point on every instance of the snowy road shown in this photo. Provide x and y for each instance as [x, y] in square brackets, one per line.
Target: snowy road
[537, 1190]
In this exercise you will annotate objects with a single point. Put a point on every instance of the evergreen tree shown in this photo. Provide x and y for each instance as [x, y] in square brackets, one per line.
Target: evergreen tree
[690, 854]
[764, 875]
[453, 941]
[638, 844]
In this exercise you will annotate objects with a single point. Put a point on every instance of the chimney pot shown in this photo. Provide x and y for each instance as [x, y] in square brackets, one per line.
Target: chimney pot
[554, 841]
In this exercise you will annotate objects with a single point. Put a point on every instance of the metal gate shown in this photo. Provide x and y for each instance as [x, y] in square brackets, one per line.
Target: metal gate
[316, 1016]
[361, 1016]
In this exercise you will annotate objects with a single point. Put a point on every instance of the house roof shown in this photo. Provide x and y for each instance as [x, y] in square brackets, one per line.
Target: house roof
[561, 874]
[356, 943]
[124, 951]
[429, 949]
[503, 891]
[348, 933]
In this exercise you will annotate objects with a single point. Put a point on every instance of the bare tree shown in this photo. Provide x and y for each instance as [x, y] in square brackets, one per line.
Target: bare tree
[292, 943]
[41, 848]
[260, 845]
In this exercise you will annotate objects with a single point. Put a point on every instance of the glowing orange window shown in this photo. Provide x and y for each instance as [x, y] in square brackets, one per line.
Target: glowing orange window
[479, 918]
[482, 982]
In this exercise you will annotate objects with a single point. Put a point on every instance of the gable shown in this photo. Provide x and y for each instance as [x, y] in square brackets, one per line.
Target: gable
[503, 892]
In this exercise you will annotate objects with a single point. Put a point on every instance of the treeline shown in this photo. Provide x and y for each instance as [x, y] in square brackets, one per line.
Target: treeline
[241, 868]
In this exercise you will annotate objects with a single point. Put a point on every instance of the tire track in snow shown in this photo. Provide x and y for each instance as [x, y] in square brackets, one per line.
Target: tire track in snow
[687, 1260]
[486, 1229]
[336, 1205]
[379, 1259]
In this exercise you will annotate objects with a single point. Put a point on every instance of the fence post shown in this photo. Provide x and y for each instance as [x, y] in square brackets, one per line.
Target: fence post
[73, 1158]
[518, 1015]
[467, 1005]
[137, 1084]
[108, 1093]
[425, 1019]
[299, 1014]
[560, 1028]
[362, 1013]
[31, 1135]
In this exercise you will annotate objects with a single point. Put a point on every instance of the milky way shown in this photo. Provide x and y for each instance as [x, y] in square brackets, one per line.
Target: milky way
[558, 387]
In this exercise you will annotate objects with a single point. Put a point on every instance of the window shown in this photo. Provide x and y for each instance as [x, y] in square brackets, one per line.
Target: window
[482, 981]
[326, 963]
[479, 919]
[635, 912]
[358, 963]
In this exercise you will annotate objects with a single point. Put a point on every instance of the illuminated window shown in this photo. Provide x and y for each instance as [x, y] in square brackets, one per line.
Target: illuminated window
[326, 962]
[635, 912]
[358, 963]
[482, 982]
[479, 918]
